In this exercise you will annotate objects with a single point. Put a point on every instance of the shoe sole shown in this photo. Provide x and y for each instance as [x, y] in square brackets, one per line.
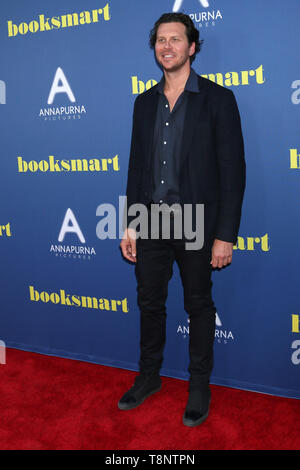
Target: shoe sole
[191, 424]
[124, 406]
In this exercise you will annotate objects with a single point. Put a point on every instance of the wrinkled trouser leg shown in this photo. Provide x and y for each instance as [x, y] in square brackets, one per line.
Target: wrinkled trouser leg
[195, 270]
[153, 272]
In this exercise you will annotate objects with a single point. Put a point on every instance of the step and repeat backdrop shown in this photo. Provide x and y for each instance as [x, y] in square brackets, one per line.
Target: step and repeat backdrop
[70, 72]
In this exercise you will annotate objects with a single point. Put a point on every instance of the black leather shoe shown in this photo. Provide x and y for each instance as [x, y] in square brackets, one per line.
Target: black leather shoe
[144, 386]
[197, 407]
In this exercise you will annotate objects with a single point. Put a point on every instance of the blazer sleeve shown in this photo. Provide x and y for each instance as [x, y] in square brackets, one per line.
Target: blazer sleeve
[231, 167]
[134, 168]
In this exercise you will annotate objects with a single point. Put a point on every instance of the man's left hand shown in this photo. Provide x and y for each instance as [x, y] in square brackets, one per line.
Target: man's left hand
[221, 253]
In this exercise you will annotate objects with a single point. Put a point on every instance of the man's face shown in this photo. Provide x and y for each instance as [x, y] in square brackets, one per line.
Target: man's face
[172, 48]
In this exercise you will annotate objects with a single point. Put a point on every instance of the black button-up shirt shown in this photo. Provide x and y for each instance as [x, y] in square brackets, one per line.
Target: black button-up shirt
[167, 142]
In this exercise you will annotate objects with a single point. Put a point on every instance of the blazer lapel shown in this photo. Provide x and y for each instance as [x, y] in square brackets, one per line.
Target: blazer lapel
[150, 121]
[194, 114]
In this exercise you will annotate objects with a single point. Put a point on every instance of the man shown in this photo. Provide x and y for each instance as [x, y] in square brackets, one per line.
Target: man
[186, 148]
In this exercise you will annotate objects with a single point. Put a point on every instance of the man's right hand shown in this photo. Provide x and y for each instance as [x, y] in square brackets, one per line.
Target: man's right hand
[128, 245]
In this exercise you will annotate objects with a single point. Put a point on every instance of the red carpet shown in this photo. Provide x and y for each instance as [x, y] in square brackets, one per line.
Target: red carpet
[53, 403]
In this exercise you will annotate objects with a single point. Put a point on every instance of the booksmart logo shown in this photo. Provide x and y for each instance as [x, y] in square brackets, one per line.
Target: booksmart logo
[74, 300]
[296, 343]
[5, 230]
[228, 79]
[294, 159]
[58, 22]
[244, 77]
[138, 86]
[56, 165]
[253, 243]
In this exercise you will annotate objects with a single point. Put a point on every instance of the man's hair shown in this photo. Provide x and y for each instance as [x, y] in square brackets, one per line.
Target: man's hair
[191, 31]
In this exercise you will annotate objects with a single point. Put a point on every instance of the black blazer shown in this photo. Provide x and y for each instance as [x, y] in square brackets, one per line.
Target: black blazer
[212, 168]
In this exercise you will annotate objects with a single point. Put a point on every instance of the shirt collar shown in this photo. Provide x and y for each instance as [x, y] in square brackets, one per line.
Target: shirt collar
[191, 84]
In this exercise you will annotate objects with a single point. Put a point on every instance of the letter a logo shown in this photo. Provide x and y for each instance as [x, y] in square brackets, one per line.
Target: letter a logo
[2, 92]
[178, 4]
[70, 225]
[218, 320]
[63, 88]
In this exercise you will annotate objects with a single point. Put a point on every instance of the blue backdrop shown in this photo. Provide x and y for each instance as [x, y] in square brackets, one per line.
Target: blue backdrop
[70, 72]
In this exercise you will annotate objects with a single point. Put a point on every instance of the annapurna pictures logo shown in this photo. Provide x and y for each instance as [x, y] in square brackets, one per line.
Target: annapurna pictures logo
[207, 17]
[63, 112]
[178, 4]
[75, 251]
[221, 335]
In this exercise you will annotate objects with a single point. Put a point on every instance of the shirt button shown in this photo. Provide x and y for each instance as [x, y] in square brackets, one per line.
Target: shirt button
[161, 201]
[162, 181]
[165, 142]
[167, 106]
[167, 123]
[164, 162]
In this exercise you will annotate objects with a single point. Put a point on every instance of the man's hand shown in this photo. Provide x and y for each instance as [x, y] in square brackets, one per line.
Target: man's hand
[221, 253]
[128, 245]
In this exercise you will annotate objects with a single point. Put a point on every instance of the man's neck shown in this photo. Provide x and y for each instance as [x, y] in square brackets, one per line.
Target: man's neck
[176, 80]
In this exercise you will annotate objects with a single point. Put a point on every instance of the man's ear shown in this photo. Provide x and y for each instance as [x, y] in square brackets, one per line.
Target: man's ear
[192, 49]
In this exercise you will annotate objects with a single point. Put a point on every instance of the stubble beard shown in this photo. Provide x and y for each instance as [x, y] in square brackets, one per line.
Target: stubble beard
[176, 67]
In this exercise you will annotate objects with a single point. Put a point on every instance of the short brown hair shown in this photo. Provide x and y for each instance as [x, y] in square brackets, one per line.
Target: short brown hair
[191, 31]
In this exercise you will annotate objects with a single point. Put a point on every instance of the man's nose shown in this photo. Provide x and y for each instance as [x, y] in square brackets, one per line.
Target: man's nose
[167, 44]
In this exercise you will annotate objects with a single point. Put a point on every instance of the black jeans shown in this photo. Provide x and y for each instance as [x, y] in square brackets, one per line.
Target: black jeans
[154, 268]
